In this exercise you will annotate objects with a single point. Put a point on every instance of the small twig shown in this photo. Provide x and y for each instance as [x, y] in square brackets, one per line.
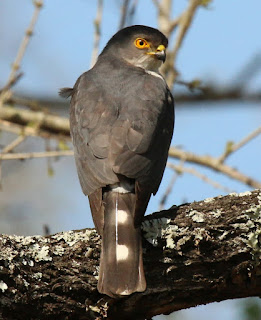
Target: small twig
[31, 155]
[7, 149]
[21, 51]
[127, 12]
[181, 169]
[170, 186]
[97, 32]
[132, 11]
[213, 163]
[167, 192]
[124, 11]
[164, 15]
[167, 26]
[174, 23]
[10, 83]
[191, 85]
[30, 103]
[30, 131]
[234, 147]
[184, 23]
[156, 3]
[13, 144]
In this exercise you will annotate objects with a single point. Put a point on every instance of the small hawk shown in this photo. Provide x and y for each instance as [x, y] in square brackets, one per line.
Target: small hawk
[121, 122]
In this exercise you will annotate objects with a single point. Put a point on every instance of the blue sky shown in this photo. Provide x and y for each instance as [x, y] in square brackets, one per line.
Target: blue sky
[222, 39]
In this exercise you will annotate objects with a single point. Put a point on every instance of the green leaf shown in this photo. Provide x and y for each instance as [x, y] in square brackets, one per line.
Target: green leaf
[205, 3]
[194, 84]
[50, 171]
[229, 147]
[62, 145]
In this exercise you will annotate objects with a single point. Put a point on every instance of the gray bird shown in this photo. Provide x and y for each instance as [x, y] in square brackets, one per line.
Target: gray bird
[121, 120]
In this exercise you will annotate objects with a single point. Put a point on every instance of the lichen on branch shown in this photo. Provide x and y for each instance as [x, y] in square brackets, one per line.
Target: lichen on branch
[200, 252]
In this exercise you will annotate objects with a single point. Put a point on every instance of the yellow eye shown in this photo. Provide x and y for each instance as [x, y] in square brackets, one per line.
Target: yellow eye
[141, 43]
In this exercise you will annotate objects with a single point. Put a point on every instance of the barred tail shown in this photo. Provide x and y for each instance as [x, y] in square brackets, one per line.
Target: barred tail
[121, 265]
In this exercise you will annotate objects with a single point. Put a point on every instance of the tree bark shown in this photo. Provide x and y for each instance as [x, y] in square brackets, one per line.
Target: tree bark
[193, 254]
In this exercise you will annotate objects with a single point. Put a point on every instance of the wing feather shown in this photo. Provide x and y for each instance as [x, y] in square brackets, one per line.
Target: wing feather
[124, 132]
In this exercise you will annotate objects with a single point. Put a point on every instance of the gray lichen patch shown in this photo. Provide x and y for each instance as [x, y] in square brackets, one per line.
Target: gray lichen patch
[71, 237]
[205, 224]
[30, 250]
[40, 253]
[24, 260]
[216, 213]
[38, 275]
[254, 224]
[196, 216]
[154, 229]
[3, 286]
[243, 194]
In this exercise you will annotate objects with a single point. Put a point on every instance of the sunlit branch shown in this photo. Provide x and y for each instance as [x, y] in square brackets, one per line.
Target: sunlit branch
[213, 163]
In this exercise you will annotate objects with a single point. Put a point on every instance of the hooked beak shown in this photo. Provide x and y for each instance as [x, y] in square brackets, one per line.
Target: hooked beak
[160, 53]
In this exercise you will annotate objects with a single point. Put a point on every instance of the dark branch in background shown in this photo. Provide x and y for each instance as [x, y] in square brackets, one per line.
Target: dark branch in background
[97, 32]
[123, 16]
[181, 25]
[128, 9]
[248, 72]
[200, 252]
[235, 90]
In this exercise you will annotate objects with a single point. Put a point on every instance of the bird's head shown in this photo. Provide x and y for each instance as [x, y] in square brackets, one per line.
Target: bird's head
[141, 46]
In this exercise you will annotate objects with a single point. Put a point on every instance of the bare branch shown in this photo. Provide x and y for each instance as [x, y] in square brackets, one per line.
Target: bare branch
[132, 11]
[13, 144]
[164, 15]
[11, 82]
[193, 171]
[213, 163]
[31, 155]
[184, 23]
[97, 32]
[232, 147]
[21, 51]
[124, 11]
[168, 190]
[31, 131]
[44, 121]
[156, 3]
[32, 104]
[7, 149]
[174, 23]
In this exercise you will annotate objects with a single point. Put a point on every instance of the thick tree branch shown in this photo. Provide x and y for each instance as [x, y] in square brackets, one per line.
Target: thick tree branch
[43, 120]
[200, 252]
